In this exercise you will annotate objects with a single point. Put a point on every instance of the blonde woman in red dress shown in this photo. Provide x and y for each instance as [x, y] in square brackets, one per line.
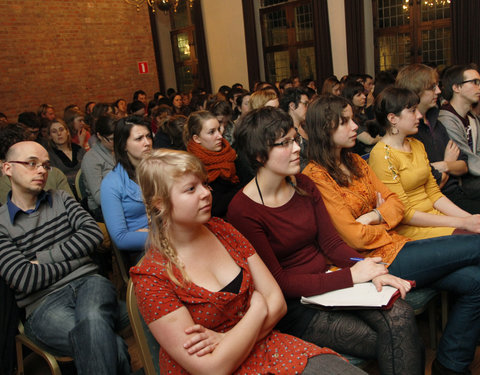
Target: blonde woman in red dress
[205, 294]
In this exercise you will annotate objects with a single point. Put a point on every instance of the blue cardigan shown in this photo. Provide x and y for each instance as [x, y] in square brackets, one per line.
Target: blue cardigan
[123, 210]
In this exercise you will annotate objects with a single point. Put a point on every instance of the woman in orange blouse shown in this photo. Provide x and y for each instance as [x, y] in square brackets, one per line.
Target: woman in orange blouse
[365, 214]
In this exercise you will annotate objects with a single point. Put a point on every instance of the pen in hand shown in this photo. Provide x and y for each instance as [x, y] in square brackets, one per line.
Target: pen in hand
[360, 259]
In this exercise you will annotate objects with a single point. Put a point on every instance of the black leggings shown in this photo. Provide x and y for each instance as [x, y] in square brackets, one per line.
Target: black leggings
[390, 336]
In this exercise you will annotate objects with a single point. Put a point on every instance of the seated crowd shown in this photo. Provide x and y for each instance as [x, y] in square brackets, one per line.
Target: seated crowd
[231, 207]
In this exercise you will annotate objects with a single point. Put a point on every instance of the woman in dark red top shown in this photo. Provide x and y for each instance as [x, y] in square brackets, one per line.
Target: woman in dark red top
[283, 215]
[203, 291]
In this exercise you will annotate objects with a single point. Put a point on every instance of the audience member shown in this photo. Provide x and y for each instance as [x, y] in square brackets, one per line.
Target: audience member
[354, 92]
[170, 133]
[295, 103]
[46, 111]
[299, 248]
[229, 328]
[64, 154]
[31, 124]
[141, 96]
[401, 163]
[448, 164]
[120, 196]
[121, 108]
[265, 97]
[75, 121]
[203, 138]
[98, 162]
[177, 104]
[331, 86]
[461, 87]
[46, 240]
[223, 112]
[242, 106]
[365, 213]
[11, 135]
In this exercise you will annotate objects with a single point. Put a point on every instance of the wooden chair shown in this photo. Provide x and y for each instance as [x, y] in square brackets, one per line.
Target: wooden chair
[22, 340]
[80, 187]
[148, 346]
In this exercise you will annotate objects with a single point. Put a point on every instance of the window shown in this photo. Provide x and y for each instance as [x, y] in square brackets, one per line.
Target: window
[409, 31]
[183, 45]
[288, 39]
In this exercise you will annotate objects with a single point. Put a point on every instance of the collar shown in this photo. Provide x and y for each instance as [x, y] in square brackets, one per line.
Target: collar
[13, 210]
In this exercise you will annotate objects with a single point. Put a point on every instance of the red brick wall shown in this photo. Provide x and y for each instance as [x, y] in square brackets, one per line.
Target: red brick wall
[64, 51]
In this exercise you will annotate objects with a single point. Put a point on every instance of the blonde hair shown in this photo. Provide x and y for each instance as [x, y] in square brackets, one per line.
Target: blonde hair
[259, 98]
[156, 174]
[417, 78]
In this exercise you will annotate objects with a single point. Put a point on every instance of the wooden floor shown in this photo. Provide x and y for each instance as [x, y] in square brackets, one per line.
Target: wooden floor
[36, 366]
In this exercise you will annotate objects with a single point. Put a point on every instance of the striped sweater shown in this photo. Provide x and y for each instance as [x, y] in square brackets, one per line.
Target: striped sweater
[59, 236]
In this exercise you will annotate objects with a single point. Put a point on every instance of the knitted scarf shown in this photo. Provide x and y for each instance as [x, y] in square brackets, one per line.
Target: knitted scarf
[217, 163]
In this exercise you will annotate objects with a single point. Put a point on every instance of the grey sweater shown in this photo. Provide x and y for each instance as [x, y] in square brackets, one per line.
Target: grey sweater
[457, 133]
[59, 236]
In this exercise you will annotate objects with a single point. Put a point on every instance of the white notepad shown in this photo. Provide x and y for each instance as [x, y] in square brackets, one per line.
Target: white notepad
[360, 295]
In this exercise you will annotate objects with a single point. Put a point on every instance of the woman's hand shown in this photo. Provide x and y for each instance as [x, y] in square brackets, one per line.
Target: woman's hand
[402, 285]
[367, 270]
[82, 133]
[372, 217]
[203, 341]
[471, 223]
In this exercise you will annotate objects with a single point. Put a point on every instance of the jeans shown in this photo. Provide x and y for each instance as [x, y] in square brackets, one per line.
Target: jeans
[450, 263]
[78, 320]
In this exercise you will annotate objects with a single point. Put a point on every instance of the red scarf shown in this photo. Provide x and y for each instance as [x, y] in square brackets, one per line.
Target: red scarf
[217, 163]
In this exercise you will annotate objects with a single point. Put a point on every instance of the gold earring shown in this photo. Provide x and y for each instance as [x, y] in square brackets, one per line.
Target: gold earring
[394, 130]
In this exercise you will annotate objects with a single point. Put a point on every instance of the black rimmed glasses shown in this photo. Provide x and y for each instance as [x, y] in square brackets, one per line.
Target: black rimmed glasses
[475, 81]
[289, 142]
[33, 165]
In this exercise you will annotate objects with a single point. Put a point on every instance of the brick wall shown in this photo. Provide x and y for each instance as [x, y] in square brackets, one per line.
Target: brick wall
[64, 51]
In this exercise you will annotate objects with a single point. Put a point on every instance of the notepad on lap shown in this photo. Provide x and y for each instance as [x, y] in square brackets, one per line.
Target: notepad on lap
[360, 295]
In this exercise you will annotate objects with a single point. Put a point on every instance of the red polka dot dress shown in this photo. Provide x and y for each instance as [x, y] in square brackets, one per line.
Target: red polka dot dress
[157, 296]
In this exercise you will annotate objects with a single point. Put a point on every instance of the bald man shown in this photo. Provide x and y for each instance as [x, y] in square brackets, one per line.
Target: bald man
[45, 241]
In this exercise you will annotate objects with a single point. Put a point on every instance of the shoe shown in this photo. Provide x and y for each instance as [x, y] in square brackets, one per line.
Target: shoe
[439, 369]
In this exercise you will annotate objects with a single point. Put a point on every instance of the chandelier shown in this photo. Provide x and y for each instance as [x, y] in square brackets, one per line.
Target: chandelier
[165, 5]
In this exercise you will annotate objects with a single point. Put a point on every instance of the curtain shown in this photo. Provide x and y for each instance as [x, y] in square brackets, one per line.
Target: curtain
[355, 29]
[323, 45]
[465, 31]
[251, 42]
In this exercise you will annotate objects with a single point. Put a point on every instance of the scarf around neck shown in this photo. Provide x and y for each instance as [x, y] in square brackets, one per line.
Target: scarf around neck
[217, 163]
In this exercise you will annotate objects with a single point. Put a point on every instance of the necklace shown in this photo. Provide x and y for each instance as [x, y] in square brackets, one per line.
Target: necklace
[259, 191]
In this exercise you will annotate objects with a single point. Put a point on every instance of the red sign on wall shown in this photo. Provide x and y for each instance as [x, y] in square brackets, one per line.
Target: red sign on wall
[143, 67]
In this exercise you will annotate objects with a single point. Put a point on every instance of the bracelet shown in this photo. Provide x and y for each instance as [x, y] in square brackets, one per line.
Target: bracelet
[380, 218]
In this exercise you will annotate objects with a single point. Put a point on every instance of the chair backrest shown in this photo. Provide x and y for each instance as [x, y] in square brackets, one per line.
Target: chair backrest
[148, 346]
[121, 263]
[80, 185]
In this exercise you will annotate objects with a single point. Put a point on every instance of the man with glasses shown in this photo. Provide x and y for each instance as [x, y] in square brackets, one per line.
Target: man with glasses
[45, 241]
[295, 102]
[461, 87]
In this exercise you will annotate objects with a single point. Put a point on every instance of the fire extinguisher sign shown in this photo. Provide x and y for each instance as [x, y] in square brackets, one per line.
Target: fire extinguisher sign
[143, 67]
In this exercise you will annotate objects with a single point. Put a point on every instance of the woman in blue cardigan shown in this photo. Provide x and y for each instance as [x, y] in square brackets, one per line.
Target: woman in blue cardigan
[122, 204]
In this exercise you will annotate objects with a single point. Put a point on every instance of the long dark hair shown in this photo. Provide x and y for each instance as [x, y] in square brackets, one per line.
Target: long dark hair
[323, 117]
[120, 136]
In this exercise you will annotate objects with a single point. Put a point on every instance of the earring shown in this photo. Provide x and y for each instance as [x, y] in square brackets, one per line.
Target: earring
[394, 130]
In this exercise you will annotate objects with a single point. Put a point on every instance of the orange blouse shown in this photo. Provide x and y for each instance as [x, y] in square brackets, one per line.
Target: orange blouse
[345, 204]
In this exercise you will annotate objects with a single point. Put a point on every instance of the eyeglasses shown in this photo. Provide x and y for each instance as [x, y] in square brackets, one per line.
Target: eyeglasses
[305, 103]
[432, 87]
[33, 165]
[108, 139]
[289, 142]
[475, 81]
